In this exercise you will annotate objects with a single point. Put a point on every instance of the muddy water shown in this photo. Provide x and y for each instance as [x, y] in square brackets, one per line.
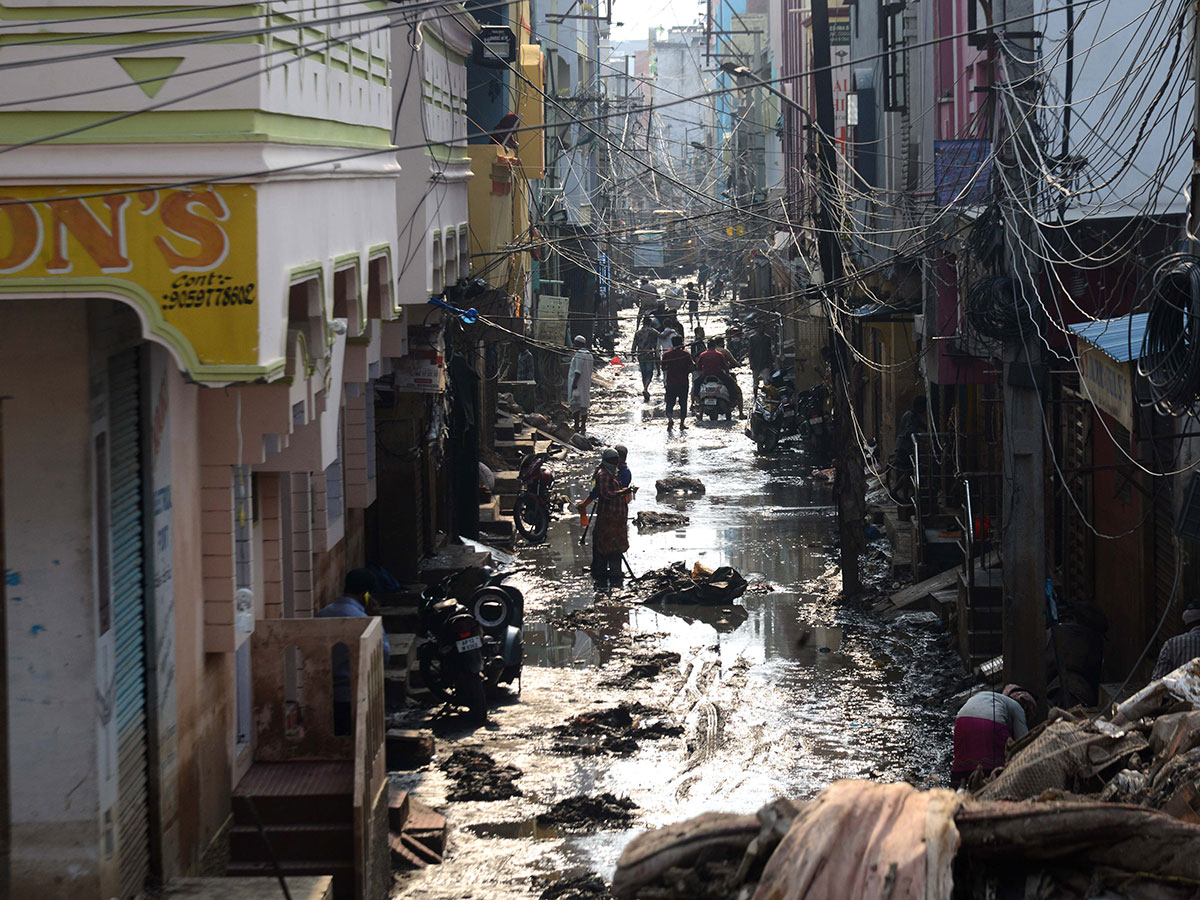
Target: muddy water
[779, 694]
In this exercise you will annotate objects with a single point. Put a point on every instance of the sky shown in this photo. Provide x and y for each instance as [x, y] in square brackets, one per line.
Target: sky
[640, 15]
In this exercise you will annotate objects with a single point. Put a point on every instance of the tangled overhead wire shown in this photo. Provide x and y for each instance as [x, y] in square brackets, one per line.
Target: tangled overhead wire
[1170, 357]
[994, 306]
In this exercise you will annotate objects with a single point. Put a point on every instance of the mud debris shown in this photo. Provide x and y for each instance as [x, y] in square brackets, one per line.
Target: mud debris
[678, 484]
[479, 777]
[583, 812]
[651, 520]
[616, 730]
[574, 886]
[644, 666]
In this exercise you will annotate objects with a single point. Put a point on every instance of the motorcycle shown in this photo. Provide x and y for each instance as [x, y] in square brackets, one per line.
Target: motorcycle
[532, 509]
[450, 655]
[713, 400]
[500, 610]
[780, 413]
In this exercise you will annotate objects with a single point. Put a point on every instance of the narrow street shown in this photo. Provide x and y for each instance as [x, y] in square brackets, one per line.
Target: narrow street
[779, 695]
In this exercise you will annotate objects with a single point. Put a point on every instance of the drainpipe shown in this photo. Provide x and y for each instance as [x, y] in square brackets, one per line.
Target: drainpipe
[5, 800]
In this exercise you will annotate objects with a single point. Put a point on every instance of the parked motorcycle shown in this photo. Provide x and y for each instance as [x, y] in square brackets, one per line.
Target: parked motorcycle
[779, 413]
[712, 399]
[500, 610]
[450, 654]
[473, 627]
[532, 509]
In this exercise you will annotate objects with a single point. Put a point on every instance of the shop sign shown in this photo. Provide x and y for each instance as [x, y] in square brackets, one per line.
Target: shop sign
[1107, 383]
[550, 327]
[188, 256]
[422, 371]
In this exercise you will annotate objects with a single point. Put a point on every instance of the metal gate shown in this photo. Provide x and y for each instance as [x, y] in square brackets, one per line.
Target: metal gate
[126, 509]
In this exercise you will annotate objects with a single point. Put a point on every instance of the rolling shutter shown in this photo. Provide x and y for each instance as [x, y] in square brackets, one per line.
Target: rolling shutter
[127, 504]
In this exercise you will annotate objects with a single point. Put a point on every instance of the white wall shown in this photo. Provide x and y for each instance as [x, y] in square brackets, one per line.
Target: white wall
[51, 610]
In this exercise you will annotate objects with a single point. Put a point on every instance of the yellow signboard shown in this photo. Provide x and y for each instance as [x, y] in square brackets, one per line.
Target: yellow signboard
[1107, 384]
[187, 256]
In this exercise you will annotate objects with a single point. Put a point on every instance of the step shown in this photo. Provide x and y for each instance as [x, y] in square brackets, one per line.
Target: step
[318, 887]
[399, 620]
[342, 872]
[404, 649]
[450, 560]
[507, 502]
[508, 482]
[292, 842]
[396, 688]
[490, 511]
[407, 749]
[502, 533]
[409, 853]
[291, 793]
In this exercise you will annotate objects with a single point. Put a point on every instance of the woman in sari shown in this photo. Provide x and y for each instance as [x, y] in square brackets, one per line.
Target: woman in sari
[610, 537]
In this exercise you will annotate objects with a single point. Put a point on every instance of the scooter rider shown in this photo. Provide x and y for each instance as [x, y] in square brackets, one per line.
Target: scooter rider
[716, 360]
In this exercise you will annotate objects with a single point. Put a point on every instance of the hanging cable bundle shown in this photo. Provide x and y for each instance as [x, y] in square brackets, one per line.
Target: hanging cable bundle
[985, 240]
[1170, 357]
[994, 305]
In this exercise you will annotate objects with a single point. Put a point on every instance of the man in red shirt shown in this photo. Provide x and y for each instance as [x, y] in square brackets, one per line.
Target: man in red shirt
[677, 366]
[716, 360]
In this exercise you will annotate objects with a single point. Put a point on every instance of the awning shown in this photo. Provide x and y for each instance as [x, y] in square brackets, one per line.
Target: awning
[1120, 339]
[1107, 350]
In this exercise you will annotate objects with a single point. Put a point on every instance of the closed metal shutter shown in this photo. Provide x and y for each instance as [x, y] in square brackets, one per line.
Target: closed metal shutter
[127, 504]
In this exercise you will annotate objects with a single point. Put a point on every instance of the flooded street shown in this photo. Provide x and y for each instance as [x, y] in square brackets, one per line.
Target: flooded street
[779, 694]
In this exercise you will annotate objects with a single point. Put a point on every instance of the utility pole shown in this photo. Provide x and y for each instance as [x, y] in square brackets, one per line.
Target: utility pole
[1023, 543]
[850, 484]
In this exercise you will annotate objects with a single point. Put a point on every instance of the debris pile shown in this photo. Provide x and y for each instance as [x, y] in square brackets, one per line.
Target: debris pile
[1084, 809]
[573, 886]
[652, 520]
[645, 666]
[677, 584]
[477, 776]
[679, 485]
[1146, 753]
[583, 812]
[615, 730]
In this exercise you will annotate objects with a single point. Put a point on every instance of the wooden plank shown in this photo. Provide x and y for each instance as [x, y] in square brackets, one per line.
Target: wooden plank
[312, 887]
[915, 594]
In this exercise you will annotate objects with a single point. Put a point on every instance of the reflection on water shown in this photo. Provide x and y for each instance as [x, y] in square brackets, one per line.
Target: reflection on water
[546, 645]
[526, 828]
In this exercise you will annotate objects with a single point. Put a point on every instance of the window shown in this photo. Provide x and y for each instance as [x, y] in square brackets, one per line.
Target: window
[891, 26]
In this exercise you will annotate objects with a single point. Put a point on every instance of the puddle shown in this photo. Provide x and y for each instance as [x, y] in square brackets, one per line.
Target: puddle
[526, 828]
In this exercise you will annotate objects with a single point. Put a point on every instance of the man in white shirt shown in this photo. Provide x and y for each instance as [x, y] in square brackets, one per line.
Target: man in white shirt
[674, 296]
[579, 383]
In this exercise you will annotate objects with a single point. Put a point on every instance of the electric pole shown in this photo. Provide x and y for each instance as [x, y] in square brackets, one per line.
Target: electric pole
[1023, 543]
[850, 485]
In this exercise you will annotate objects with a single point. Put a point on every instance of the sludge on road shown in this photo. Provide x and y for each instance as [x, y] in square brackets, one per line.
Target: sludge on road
[660, 712]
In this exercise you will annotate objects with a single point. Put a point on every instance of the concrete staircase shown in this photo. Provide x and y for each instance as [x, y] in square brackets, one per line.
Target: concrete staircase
[418, 832]
[306, 810]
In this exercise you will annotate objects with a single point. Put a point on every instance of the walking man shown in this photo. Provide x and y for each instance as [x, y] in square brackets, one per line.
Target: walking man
[677, 367]
[610, 535]
[579, 383]
[645, 350]
[693, 301]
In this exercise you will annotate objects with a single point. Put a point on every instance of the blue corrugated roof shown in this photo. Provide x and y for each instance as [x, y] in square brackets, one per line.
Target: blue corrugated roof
[1119, 338]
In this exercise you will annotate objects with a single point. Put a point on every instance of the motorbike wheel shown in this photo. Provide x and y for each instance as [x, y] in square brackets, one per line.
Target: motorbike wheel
[530, 518]
[472, 693]
[768, 440]
[432, 675]
[712, 416]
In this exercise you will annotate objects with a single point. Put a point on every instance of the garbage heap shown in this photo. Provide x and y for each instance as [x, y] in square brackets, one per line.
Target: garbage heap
[1085, 808]
[677, 583]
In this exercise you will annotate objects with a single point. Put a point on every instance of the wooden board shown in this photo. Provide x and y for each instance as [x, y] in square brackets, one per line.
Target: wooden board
[301, 887]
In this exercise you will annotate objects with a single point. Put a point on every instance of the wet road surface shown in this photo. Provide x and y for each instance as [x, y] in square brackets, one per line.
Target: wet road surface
[780, 694]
